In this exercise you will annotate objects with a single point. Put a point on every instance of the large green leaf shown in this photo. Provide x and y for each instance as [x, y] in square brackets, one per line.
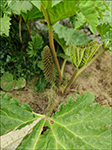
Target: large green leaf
[39, 3]
[108, 14]
[70, 35]
[45, 3]
[77, 125]
[90, 12]
[36, 3]
[20, 6]
[61, 42]
[103, 28]
[80, 20]
[5, 25]
[62, 10]
[65, 36]
[100, 7]
[7, 8]
[58, 9]
[13, 115]
[107, 37]
[32, 14]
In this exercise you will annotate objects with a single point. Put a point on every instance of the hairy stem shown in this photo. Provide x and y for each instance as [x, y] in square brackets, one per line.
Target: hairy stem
[54, 53]
[71, 81]
[46, 15]
[20, 29]
[63, 66]
[78, 72]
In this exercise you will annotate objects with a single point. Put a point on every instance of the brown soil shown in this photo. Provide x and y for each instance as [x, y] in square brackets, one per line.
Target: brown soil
[96, 78]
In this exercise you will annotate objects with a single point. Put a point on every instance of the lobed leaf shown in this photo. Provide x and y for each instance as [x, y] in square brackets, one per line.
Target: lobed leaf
[65, 36]
[5, 25]
[77, 125]
[32, 14]
[108, 13]
[107, 37]
[62, 10]
[80, 20]
[80, 56]
[84, 127]
[103, 28]
[7, 8]
[61, 42]
[12, 114]
[39, 3]
[90, 50]
[8, 84]
[34, 45]
[20, 83]
[100, 7]
[70, 35]
[58, 10]
[20, 6]
[91, 12]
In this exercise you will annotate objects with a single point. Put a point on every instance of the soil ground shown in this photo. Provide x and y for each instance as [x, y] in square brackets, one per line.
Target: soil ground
[97, 78]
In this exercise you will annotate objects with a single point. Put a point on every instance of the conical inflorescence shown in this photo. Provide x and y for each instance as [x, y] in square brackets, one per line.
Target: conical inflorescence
[48, 65]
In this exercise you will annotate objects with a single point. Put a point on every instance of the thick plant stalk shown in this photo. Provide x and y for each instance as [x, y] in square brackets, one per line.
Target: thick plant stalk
[63, 66]
[78, 72]
[54, 53]
[20, 28]
[71, 81]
